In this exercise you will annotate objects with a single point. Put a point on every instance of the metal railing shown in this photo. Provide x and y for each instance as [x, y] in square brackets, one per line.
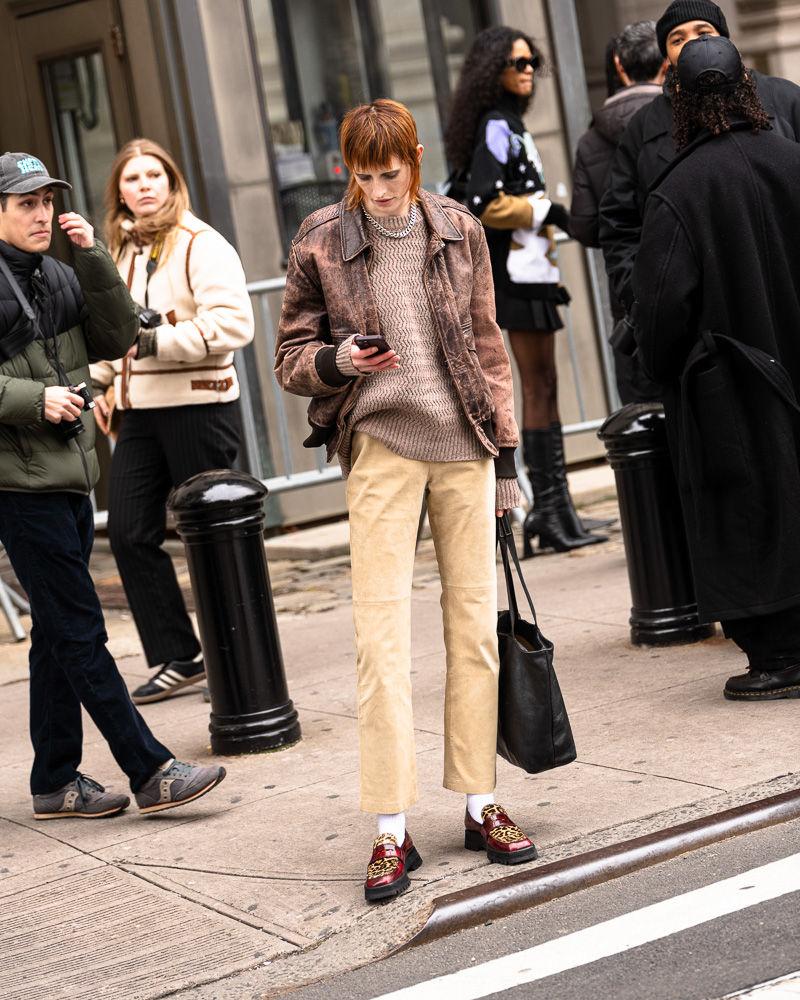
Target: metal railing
[291, 479]
[11, 603]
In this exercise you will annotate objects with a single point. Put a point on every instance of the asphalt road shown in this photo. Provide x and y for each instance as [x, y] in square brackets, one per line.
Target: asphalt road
[711, 960]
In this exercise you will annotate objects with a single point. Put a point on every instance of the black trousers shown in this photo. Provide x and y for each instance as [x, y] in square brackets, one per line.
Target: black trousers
[156, 451]
[771, 641]
[48, 538]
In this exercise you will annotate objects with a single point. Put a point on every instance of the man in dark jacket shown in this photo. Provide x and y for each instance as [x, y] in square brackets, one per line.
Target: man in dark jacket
[647, 145]
[52, 321]
[717, 310]
[640, 67]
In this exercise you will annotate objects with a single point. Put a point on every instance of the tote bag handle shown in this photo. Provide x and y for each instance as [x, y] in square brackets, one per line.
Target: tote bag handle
[505, 539]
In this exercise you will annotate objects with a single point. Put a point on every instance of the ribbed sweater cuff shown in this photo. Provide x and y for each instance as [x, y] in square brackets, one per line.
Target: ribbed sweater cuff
[343, 360]
[506, 494]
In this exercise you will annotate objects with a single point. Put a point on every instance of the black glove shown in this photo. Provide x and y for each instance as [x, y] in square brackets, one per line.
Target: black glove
[623, 337]
[557, 216]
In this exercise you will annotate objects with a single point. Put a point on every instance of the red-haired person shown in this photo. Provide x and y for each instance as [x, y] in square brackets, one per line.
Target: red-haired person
[430, 417]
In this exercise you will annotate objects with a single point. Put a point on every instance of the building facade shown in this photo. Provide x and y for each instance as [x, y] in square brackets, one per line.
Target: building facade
[248, 94]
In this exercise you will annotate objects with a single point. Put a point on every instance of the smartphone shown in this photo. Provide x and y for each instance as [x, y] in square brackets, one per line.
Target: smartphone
[363, 341]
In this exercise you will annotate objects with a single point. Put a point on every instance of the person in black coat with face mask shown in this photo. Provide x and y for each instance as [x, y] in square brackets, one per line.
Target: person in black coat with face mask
[717, 315]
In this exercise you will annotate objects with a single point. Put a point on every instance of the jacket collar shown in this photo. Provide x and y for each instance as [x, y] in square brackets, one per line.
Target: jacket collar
[354, 234]
[21, 263]
[631, 91]
[702, 137]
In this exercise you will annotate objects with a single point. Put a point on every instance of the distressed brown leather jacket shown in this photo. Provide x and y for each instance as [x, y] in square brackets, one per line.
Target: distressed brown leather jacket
[328, 299]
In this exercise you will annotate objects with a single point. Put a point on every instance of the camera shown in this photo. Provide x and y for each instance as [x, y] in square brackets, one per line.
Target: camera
[149, 319]
[70, 429]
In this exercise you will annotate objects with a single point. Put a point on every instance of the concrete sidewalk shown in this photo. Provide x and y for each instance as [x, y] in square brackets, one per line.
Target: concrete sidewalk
[259, 886]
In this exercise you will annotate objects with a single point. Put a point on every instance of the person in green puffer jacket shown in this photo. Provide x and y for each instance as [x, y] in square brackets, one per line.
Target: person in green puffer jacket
[53, 321]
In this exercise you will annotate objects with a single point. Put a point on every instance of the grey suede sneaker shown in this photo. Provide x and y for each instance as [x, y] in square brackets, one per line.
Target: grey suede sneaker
[177, 784]
[83, 797]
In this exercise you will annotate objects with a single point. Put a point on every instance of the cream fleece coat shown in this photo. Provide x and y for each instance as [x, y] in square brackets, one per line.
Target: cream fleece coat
[200, 290]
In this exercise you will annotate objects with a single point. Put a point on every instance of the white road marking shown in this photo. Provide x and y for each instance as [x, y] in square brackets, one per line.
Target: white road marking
[614, 936]
[784, 988]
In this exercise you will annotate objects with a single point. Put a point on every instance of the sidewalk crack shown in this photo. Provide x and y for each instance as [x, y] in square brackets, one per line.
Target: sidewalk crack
[223, 909]
[650, 774]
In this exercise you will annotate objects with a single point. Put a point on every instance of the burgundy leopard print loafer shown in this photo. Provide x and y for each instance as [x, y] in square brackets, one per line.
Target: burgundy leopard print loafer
[387, 873]
[502, 840]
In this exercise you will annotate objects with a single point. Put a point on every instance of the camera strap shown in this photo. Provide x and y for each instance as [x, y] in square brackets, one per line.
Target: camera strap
[27, 308]
[152, 264]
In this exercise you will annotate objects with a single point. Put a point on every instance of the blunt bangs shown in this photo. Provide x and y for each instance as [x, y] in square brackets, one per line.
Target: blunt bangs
[371, 136]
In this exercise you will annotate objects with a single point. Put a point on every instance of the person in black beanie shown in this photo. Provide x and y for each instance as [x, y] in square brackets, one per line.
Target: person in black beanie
[701, 14]
[648, 143]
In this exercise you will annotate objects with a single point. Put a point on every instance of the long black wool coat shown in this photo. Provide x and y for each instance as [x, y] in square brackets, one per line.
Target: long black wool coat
[717, 313]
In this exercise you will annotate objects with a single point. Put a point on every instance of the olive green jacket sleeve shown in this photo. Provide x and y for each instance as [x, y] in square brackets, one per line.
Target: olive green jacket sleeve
[109, 318]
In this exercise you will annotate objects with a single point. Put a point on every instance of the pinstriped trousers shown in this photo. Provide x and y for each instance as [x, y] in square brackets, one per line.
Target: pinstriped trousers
[384, 497]
[156, 451]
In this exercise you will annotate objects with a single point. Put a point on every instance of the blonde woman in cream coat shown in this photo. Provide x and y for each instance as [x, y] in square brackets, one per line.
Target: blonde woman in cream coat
[176, 391]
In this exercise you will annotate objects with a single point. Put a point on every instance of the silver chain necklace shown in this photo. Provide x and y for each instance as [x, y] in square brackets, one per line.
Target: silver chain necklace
[388, 232]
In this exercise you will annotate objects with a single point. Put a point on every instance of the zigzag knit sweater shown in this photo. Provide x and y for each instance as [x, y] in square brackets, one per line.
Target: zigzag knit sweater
[415, 409]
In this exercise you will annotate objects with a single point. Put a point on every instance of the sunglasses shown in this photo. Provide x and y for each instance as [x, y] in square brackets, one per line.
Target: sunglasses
[521, 63]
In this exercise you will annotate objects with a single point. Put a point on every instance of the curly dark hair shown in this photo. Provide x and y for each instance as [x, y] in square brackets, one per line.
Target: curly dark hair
[696, 110]
[479, 89]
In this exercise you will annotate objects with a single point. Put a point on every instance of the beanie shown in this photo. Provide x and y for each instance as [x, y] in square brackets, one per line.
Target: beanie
[682, 11]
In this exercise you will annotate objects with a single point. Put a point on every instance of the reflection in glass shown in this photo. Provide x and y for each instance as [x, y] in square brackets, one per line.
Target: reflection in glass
[411, 51]
[318, 58]
[80, 113]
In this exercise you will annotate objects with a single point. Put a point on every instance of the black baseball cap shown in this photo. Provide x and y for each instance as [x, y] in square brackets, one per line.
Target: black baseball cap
[705, 54]
[21, 173]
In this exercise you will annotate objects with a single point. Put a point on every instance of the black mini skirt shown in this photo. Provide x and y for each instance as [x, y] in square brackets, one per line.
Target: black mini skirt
[515, 313]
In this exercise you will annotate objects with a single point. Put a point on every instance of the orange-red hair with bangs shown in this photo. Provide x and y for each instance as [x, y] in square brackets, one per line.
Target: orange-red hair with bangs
[371, 135]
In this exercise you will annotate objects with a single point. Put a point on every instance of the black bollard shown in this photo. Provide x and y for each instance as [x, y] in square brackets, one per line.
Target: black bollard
[220, 518]
[664, 611]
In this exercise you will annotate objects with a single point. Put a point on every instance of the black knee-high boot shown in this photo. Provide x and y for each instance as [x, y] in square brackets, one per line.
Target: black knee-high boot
[571, 523]
[544, 518]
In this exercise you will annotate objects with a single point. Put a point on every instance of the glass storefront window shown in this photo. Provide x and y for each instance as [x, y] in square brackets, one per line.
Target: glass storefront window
[77, 98]
[420, 42]
[318, 58]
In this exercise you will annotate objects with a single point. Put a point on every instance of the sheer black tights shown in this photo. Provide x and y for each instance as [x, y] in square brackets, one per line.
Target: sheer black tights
[535, 354]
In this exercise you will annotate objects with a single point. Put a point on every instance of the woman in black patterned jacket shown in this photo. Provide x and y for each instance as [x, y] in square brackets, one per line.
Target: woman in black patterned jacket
[506, 190]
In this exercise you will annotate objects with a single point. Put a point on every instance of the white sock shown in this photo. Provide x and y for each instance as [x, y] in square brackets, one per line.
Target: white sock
[394, 823]
[476, 802]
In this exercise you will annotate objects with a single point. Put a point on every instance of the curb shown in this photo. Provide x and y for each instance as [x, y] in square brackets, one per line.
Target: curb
[457, 911]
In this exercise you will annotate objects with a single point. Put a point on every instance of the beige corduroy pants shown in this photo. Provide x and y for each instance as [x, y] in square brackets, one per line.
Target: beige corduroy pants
[384, 497]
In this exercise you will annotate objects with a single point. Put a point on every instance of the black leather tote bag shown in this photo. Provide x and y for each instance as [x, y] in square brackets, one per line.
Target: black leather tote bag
[533, 730]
